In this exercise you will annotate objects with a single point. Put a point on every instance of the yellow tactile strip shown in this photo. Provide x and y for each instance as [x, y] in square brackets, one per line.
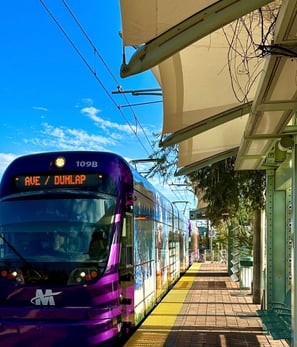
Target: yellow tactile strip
[205, 309]
[160, 322]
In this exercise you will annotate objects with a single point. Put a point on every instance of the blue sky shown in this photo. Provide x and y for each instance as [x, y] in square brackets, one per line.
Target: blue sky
[54, 96]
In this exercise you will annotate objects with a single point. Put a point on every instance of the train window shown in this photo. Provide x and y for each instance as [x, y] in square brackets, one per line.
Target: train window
[124, 230]
[129, 255]
[50, 230]
[126, 242]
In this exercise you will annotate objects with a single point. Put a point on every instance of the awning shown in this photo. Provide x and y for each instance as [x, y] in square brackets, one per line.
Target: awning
[276, 99]
[143, 20]
[204, 108]
[220, 96]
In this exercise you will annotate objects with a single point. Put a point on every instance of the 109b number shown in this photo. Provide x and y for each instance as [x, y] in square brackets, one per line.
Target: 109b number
[88, 163]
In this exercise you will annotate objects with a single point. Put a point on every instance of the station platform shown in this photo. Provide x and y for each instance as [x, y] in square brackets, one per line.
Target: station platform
[204, 308]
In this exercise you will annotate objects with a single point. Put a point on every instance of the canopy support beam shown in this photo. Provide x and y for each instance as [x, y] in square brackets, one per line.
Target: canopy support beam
[208, 161]
[187, 32]
[206, 124]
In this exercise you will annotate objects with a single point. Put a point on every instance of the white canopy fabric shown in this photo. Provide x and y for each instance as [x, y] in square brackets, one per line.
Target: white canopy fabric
[212, 142]
[200, 82]
[212, 94]
[196, 82]
[143, 20]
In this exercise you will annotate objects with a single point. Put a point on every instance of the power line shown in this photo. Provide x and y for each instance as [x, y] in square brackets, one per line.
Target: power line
[89, 40]
[93, 71]
[96, 52]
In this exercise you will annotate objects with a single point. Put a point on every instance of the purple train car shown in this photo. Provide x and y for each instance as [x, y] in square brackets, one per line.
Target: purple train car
[87, 248]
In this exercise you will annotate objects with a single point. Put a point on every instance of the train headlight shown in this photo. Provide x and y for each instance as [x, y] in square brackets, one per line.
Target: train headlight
[60, 162]
[83, 276]
[12, 275]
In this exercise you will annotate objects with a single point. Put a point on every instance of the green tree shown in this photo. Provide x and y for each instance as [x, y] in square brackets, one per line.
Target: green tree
[227, 193]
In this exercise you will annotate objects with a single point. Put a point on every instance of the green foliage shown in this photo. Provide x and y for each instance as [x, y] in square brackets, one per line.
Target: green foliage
[227, 193]
[165, 160]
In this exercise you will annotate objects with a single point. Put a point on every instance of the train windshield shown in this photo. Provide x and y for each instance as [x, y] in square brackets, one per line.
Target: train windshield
[58, 238]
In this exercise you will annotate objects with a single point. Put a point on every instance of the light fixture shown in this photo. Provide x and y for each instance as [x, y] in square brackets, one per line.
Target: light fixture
[285, 143]
[60, 162]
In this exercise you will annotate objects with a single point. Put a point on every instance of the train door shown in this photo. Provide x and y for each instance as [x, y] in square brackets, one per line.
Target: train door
[126, 272]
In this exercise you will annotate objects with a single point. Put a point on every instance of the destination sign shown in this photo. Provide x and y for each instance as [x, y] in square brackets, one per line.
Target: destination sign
[27, 182]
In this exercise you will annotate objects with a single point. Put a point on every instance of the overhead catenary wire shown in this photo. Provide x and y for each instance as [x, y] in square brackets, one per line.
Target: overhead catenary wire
[93, 71]
[96, 52]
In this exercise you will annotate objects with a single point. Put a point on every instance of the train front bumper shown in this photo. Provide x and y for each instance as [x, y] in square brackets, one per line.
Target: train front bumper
[55, 330]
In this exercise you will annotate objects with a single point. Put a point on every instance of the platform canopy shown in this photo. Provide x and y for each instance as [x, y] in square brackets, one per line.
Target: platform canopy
[227, 71]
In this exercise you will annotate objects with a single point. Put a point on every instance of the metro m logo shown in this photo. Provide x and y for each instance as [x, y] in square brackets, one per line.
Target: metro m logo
[44, 299]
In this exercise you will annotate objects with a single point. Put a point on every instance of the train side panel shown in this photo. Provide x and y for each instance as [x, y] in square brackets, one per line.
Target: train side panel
[144, 252]
[160, 251]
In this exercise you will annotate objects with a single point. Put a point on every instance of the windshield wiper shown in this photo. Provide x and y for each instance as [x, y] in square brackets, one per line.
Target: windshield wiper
[19, 255]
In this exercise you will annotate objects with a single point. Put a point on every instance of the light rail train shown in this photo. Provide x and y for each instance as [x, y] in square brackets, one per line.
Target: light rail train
[87, 248]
